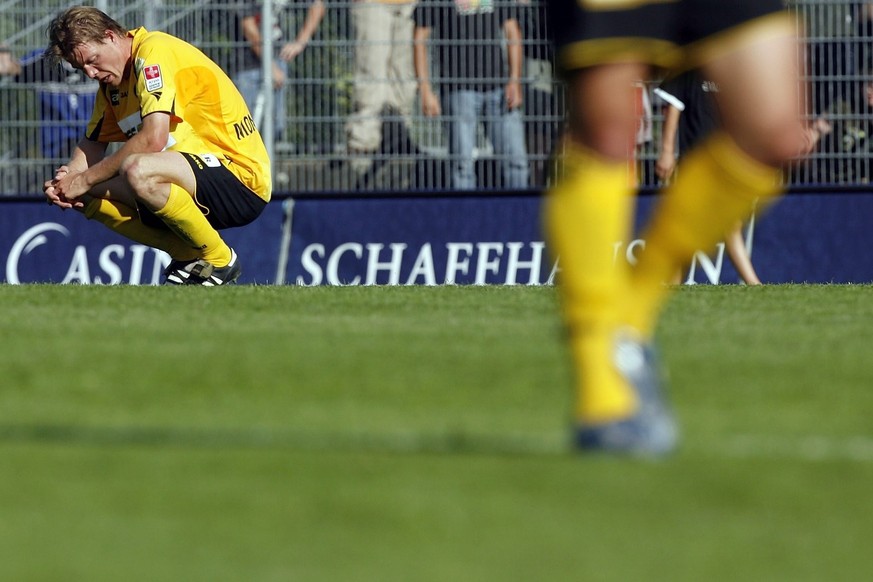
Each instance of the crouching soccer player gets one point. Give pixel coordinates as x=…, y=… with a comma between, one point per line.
x=191, y=162
x=749, y=48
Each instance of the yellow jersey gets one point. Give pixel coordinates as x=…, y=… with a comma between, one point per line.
x=207, y=113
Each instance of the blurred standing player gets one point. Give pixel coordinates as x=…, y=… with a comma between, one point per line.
x=192, y=161
x=750, y=49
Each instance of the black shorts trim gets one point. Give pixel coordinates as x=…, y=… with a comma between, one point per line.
x=224, y=200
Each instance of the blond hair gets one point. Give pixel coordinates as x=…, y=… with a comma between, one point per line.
x=76, y=26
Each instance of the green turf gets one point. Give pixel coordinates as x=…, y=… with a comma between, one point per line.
x=417, y=434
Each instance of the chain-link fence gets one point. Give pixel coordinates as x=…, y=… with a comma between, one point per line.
x=349, y=109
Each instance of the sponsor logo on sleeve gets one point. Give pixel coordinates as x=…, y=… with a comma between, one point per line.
x=153, y=80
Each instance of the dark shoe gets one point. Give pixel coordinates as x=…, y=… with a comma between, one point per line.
x=200, y=272
x=651, y=430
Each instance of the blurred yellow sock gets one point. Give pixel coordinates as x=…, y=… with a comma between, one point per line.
x=585, y=215
x=125, y=221
x=185, y=219
x=716, y=185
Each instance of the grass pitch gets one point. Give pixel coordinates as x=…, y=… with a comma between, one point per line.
x=379, y=433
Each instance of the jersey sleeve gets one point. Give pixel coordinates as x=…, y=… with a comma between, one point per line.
x=156, y=69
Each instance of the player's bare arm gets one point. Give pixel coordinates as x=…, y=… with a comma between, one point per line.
x=86, y=153
x=512, y=91
x=152, y=138
x=430, y=103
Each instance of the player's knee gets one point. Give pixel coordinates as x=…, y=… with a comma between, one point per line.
x=611, y=141
x=136, y=173
x=132, y=169
x=615, y=145
x=780, y=143
x=602, y=109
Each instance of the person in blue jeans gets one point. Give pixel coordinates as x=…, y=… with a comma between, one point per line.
x=248, y=76
x=479, y=80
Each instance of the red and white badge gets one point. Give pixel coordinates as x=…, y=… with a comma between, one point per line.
x=153, y=78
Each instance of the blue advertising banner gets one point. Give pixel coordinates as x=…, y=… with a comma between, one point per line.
x=411, y=241
x=42, y=244
x=816, y=238
x=428, y=241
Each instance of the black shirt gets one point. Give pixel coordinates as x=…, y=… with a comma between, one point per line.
x=700, y=116
x=467, y=40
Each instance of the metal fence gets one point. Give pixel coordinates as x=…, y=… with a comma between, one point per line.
x=333, y=95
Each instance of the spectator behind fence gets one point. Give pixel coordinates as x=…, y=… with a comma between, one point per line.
x=384, y=81
x=65, y=97
x=542, y=107
x=477, y=82
x=249, y=76
x=691, y=114
x=860, y=145
x=9, y=65
x=184, y=129
x=749, y=47
x=9, y=68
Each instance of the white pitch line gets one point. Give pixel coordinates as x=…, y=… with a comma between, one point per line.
x=805, y=448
